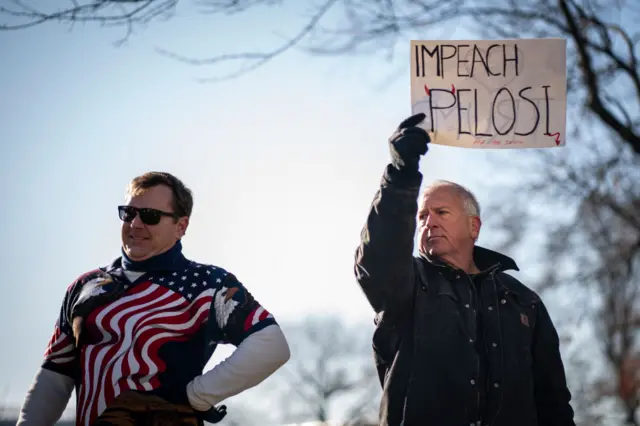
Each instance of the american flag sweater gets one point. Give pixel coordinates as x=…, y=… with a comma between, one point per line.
x=154, y=332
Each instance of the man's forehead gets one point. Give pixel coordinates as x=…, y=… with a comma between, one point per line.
x=440, y=196
x=159, y=197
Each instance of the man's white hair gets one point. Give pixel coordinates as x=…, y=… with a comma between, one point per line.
x=469, y=201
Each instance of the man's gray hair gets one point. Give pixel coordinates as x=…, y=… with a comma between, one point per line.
x=469, y=201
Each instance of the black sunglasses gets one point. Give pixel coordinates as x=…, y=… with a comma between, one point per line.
x=147, y=216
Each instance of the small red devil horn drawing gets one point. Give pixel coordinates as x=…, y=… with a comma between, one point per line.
x=426, y=90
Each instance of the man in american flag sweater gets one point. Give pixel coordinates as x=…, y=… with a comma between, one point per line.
x=133, y=337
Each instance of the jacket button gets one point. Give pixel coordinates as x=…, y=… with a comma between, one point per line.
x=473, y=382
x=494, y=344
x=491, y=308
x=496, y=385
x=466, y=306
x=503, y=301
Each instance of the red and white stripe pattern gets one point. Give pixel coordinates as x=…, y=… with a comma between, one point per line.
x=133, y=328
x=60, y=349
x=257, y=315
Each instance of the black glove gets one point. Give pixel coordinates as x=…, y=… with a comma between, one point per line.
x=408, y=143
x=213, y=415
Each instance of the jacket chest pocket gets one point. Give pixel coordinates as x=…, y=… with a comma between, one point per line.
x=519, y=314
x=439, y=324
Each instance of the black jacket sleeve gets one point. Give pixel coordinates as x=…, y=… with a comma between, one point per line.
x=550, y=385
x=384, y=258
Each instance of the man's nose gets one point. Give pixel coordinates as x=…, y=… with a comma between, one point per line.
x=430, y=221
x=137, y=222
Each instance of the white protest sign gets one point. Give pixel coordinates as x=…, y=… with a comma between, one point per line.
x=491, y=93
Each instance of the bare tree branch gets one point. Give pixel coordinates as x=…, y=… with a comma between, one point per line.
x=601, y=53
x=330, y=362
x=591, y=78
x=254, y=60
x=113, y=12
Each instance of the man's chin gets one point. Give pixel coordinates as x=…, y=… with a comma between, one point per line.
x=136, y=253
x=435, y=251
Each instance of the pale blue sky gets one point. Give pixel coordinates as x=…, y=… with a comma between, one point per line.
x=283, y=163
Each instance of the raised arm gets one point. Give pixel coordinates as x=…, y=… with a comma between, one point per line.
x=384, y=258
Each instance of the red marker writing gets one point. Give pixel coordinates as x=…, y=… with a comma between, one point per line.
x=428, y=92
x=557, y=136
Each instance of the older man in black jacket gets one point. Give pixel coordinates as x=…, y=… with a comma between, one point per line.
x=458, y=341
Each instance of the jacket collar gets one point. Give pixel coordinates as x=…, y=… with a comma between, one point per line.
x=484, y=259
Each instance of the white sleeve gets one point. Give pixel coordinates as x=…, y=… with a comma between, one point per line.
x=255, y=359
x=46, y=399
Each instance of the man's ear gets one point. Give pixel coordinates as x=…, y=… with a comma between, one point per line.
x=183, y=224
x=476, y=224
